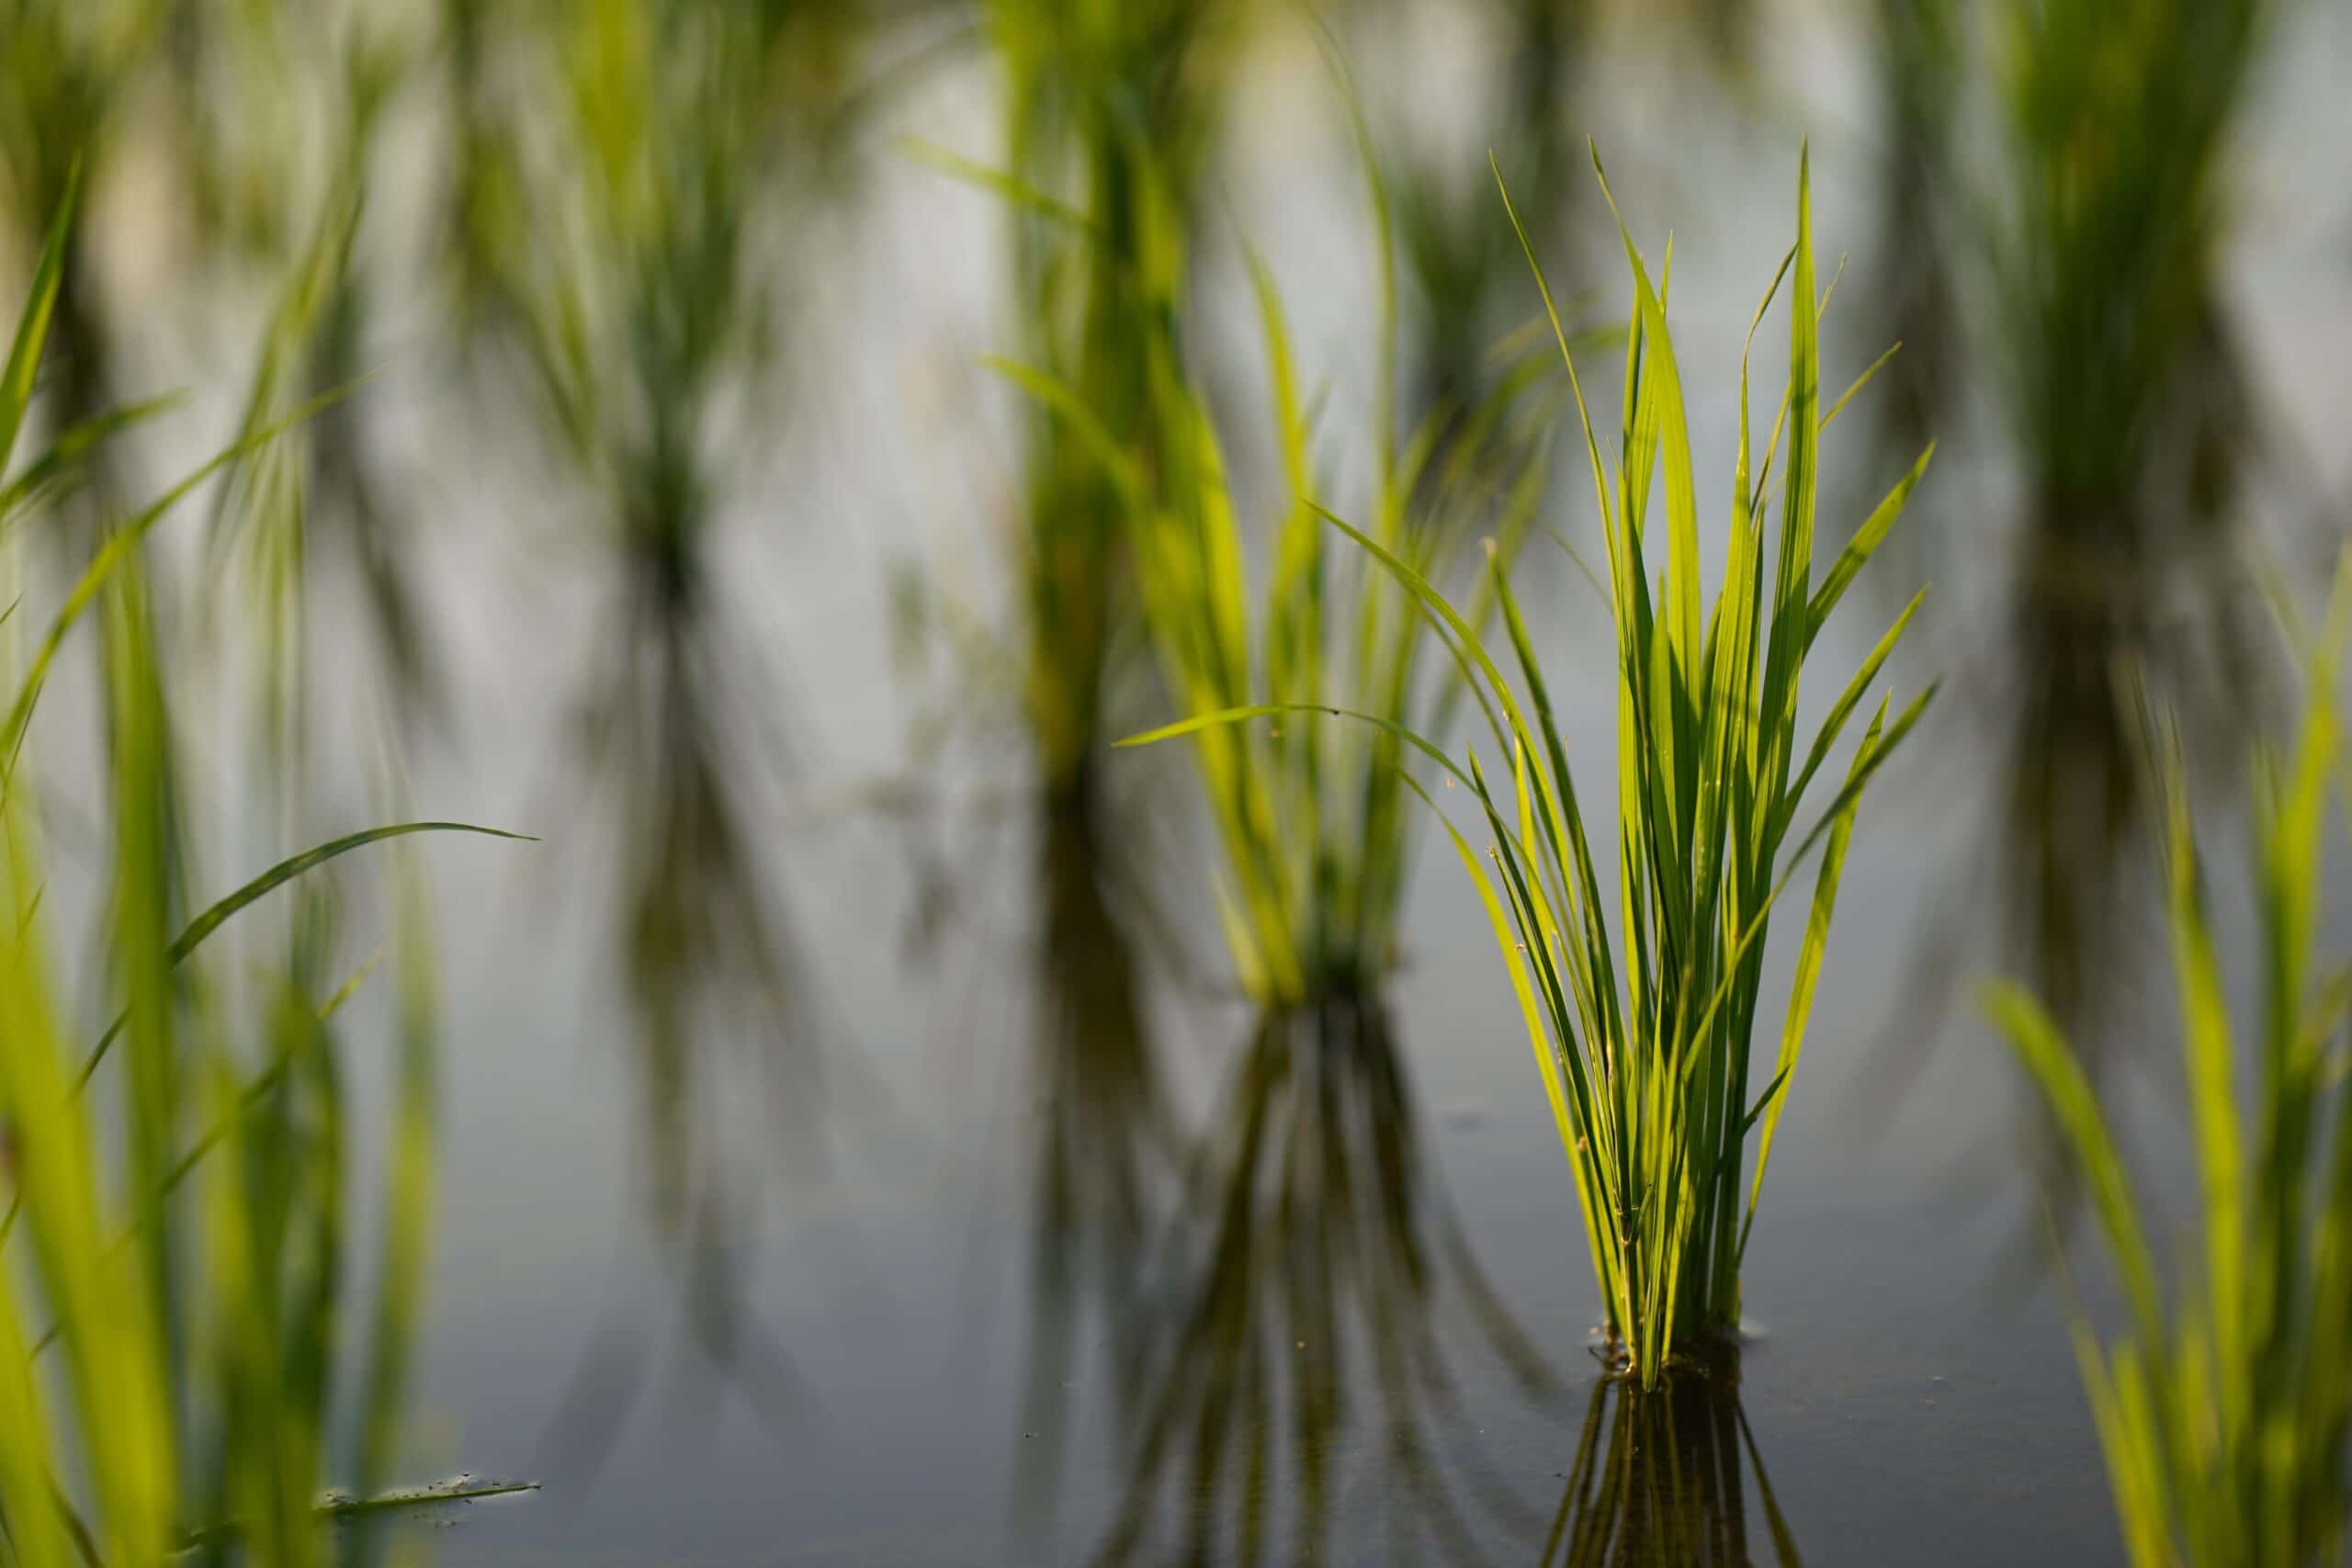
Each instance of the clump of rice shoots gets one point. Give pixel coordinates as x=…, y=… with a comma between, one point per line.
x=1643, y=1038
x=2224, y=1403
x=176, y=1368
x=1110, y=117
x=2137, y=426
x=1311, y=816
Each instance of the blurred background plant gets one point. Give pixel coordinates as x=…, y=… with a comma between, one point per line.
x=67, y=92
x=637, y=174
x=1111, y=116
x=616, y=219
x=1469, y=315
x=2224, y=1402
x=286, y=109
x=1921, y=58
x=2133, y=415
x=178, y=1372
x=1311, y=813
x=2061, y=189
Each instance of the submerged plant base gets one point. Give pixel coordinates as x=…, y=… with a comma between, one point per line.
x=1711, y=1350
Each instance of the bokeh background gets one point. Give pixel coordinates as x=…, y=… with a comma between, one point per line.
x=856, y=1144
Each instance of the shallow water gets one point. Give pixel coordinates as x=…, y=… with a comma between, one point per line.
x=931, y=1383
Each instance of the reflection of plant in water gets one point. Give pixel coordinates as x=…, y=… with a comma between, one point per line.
x=1312, y=1231
x=646, y=159
x=1105, y=1137
x=1666, y=1488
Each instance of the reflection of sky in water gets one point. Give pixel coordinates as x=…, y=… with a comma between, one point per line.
x=1901, y=1410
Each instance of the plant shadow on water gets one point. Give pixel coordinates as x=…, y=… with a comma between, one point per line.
x=1312, y=1241
x=1658, y=1479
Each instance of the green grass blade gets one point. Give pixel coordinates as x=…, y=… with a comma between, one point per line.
x=110, y=556
x=1864, y=544
x=2051, y=1060
x=32, y=326
x=193, y=934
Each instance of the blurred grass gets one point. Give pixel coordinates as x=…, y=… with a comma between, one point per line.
x=2134, y=416
x=187, y=1234
x=2224, y=1403
x=1310, y=815
x=1111, y=111
x=1466, y=295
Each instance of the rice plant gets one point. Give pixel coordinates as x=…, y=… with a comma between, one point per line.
x=1649, y=1078
x=1310, y=816
x=2133, y=416
x=178, y=1367
x=2224, y=1402
x=288, y=185
x=1111, y=115
x=1462, y=266
x=1919, y=48
x=66, y=82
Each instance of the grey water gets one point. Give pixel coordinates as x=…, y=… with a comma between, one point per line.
x=1026, y=1288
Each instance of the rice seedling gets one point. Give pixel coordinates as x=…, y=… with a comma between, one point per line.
x=2132, y=416
x=2224, y=1403
x=178, y=1368
x=1664, y=1480
x=1310, y=817
x=1111, y=114
x=1462, y=266
x=65, y=96
x=1650, y=1083
x=1921, y=54
x=288, y=185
